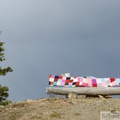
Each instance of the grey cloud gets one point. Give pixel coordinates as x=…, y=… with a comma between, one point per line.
x=53, y=37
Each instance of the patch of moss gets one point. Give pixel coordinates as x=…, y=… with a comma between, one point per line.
x=55, y=115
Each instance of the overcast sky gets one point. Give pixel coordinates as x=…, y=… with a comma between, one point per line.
x=45, y=37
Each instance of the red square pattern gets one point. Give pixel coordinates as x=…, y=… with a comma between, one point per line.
x=112, y=79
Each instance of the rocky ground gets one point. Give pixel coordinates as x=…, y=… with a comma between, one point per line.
x=59, y=109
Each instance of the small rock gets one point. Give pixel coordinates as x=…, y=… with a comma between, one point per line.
x=72, y=95
x=1, y=106
x=102, y=97
x=28, y=100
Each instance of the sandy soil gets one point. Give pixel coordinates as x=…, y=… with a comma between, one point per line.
x=59, y=109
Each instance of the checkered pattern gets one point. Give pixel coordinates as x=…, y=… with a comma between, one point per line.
x=55, y=80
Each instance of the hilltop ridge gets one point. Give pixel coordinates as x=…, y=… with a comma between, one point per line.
x=58, y=109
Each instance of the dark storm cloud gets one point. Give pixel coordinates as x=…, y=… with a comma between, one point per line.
x=52, y=37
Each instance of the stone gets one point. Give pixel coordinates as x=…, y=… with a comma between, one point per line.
x=28, y=100
x=1, y=106
x=72, y=95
